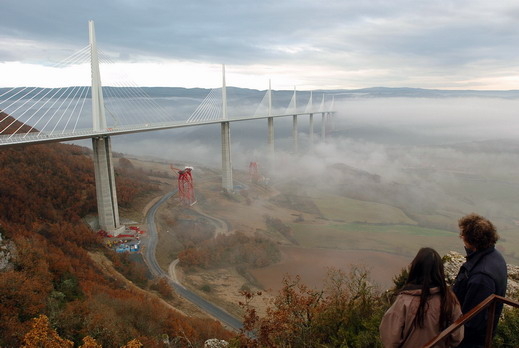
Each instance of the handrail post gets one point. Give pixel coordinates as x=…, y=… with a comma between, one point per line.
x=490, y=302
x=490, y=323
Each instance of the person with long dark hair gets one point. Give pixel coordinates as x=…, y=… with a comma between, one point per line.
x=424, y=307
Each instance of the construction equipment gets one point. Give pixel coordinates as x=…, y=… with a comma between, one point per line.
x=254, y=172
x=186, y=192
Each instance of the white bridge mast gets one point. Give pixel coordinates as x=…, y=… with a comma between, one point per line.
x=107, y=209
x=227, y=181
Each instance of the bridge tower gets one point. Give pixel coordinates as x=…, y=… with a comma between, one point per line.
x=311, y=131
x=323, y=122
x=295, y=144
x=270, y=125
x=107, y=208
x=309, y=108
x=326, y=116
x=323, y=127
x=227, y=182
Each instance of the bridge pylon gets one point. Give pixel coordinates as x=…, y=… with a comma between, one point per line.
x=227, y=181
x=270, y=130
x=98, y=105
x=311, y=131
x=323, y=126
x=107, y=209
x=295, y=142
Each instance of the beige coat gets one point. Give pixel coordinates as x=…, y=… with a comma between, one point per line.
x=397, y=323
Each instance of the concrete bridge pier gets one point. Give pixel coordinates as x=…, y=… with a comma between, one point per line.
x=227, y=182
x=107, y=208
x=106, y=193
x=270, y=142
x=323, y=127
x=295, y=143
x=311, y=131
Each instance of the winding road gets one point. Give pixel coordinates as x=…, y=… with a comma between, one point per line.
x=156, y=270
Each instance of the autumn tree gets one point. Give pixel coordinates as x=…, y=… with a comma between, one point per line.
x=42, y=335
x=89, y=342
x=46, y=192
x=133, y=344
x=345, y=313
x=162, y=286
x=235, y=249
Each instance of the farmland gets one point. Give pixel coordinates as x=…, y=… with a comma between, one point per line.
x=355, y=218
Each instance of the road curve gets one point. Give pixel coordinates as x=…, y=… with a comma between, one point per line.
x=156, y=270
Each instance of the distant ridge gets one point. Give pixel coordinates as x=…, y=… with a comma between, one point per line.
x=372, y=92
x=389, y=92
x=8, y=125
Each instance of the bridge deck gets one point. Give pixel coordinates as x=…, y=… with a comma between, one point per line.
x=43, y=137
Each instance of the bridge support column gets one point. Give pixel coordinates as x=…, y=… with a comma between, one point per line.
x=323, y=127
x=295, y=144
x=227, y=182
x=311, y=131
x=107, y=208
x=270, y=142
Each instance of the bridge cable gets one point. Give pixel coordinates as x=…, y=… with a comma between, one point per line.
x=137, y=96
x=45, y=113
x=70, y=99
x=262, y=105
x=83, y=92
x=209, y=109
x=75, y=58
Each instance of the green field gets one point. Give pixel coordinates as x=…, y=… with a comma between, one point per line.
x=345, y=209
x=509, y=245
x=360, y=225
x=399, y=239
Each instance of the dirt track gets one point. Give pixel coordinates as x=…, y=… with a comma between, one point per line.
x=245, y=212
x=313, y=264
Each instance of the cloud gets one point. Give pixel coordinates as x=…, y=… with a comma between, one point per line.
x=346, y=44
x=436, y=120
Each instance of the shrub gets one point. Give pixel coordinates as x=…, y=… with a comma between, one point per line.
x=346, y=313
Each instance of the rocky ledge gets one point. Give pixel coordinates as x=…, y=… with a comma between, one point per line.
x=453, y=261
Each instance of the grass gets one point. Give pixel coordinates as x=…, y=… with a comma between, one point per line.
x=509, y=245
x=365, y=225
x=442, y=220
x=501, y=193
x=352, y=210
x=398, y=239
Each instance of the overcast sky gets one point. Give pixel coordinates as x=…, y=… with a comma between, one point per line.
x=447, y=44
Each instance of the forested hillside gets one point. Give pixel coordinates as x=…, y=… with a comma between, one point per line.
x=45, y=192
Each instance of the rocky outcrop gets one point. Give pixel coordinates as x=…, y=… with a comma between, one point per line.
x=453, y=261
x=7, y=252
x=215, y=343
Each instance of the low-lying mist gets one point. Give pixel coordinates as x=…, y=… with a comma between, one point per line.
x=436, y=159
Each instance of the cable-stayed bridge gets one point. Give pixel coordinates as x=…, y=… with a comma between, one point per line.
x=38, y=115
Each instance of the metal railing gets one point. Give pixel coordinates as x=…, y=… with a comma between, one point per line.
x=76, y=134
x=490, y=302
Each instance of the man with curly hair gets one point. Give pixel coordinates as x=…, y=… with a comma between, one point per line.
x=483, y=274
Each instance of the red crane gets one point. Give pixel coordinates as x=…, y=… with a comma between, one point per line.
x=186, y=191
x=254, y=172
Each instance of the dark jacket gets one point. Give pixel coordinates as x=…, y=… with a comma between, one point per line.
x=482, y=275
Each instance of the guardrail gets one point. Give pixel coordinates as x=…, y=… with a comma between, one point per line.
x=490, y=302
x=43, y=137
